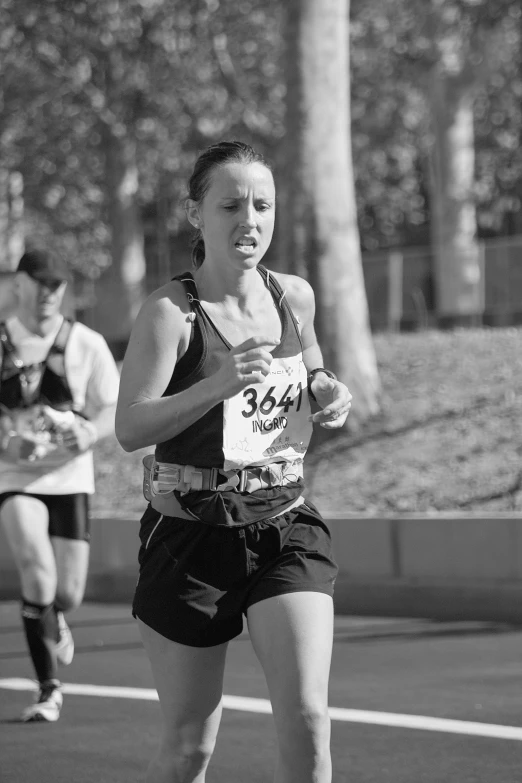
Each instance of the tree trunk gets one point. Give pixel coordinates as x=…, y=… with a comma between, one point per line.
x=120, y=291
x=319, y=220
x=5, y=261
x=458, y=269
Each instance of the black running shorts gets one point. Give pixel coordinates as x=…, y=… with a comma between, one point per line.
x=196, y=581
x=68, y=514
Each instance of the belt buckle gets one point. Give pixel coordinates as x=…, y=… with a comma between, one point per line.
x=214, y=472
x=232, y=482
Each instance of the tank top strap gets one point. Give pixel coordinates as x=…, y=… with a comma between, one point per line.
x=189, y=284
x=280, y=296
x=206, y=322
x=206, y=325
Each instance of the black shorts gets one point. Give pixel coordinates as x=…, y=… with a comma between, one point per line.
x=196, y=581
x=68, y=514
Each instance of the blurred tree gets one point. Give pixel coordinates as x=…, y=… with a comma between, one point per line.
x=427, y=63
x=234, y=88
x=91, y=52
x=452, y=79
x=389, y=119
x=462, y=41
x=105, y=106
x=498, y=132
x=319, y=211
x=132, y=90
x=11, y=181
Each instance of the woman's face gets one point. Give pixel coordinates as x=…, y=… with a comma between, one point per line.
x=236, y=215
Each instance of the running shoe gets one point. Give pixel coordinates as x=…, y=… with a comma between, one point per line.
x=65, y=643
x=48, y=704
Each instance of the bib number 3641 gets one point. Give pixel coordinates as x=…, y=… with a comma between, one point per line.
x=290, y=397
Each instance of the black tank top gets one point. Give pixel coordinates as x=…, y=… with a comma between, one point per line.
x=271, y=418
x=267, y=422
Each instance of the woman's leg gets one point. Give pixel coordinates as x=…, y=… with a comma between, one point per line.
x=189, y=681
x=292, y=636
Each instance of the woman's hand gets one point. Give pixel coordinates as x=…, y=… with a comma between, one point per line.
x=246, y=364
x=334, y=399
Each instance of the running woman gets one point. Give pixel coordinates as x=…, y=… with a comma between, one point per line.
x=58, y=392
x=218, y=374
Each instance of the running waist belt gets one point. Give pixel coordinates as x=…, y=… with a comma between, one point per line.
x=162, y=478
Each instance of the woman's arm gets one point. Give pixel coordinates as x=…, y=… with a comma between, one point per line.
x=331, y=395
x=158, y=339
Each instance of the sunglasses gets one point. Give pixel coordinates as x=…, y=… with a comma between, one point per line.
x=51, y=285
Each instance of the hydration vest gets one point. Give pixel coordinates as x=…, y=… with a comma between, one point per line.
x=52, y=388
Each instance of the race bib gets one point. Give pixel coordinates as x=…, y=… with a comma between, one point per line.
x=268, y=422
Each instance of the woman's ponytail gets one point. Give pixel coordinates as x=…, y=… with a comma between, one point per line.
x=198, y=250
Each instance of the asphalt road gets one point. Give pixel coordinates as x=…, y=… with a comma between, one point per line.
x=412, y=701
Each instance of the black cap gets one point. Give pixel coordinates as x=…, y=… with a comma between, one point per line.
x=43, y=267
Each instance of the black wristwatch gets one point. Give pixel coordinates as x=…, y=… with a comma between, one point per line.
x=311, y=375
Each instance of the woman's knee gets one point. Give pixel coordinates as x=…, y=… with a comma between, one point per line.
x=183, y=758
x=306, y=729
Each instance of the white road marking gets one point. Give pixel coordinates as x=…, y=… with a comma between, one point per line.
x=263, y=706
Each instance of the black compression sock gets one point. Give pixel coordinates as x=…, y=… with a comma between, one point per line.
x=41, y=631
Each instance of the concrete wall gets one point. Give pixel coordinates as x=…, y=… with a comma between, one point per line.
x=444, y=567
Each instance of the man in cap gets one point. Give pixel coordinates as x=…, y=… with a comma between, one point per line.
x=58, y=391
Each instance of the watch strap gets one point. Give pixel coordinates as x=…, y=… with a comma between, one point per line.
x=311, y=376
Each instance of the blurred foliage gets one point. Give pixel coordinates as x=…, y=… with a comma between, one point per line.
x=395, y=46
x=178, y=76
x=498, y=129
x=172, y=76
